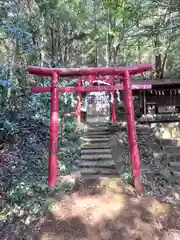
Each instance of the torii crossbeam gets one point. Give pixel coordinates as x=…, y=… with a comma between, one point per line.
x=127, y=86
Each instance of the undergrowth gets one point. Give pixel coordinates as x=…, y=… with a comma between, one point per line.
x=25, y=195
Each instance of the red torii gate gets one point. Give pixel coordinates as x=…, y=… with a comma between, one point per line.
x=126, y=85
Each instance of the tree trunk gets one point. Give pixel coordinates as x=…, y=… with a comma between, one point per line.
x=108, y=47
x=158, y=61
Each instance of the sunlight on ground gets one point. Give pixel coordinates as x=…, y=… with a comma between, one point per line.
x=77, y=205
x=168, y=131
x=109, y=210
x=156, y=208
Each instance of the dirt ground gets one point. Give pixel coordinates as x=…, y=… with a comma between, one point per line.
x=105, y=210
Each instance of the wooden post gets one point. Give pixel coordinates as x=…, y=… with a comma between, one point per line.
x=53, y=130
x=62, y=129
x=133, y=145
x=113, y=110
x=78, y=107
x=113, y=104
x=144, y=102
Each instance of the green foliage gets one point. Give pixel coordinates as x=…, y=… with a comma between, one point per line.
x=8, y=130
x=67, y=158
x=7, y=126
x=30, y=201
x=127, y=177
x=69, y=125
x=39, y=106
x=28, y=193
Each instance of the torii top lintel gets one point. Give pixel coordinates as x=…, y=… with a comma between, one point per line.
x=67, y=72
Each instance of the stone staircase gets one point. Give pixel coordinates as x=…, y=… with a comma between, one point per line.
x=96, y=154
x=100, y=154
x=171, y=149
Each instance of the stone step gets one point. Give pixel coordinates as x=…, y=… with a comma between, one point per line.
x=171, y=150
x=98, y=124
x=88, y=139
x=98, y=119
x=175, y=176
x=105, y=164
x=93, y=151
x=170, y=142
x=140, y=129
x=102, y=129
x=98, y=133
x=175, y=165
x=95, y=146
x=143, y=130
x=161, y=117
x=98, y=171
x=173, y=158
x=95, y=116
x=94, y=136
x=153, y=146
x=98, y=176
x=138, y=126
x=96, y=156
